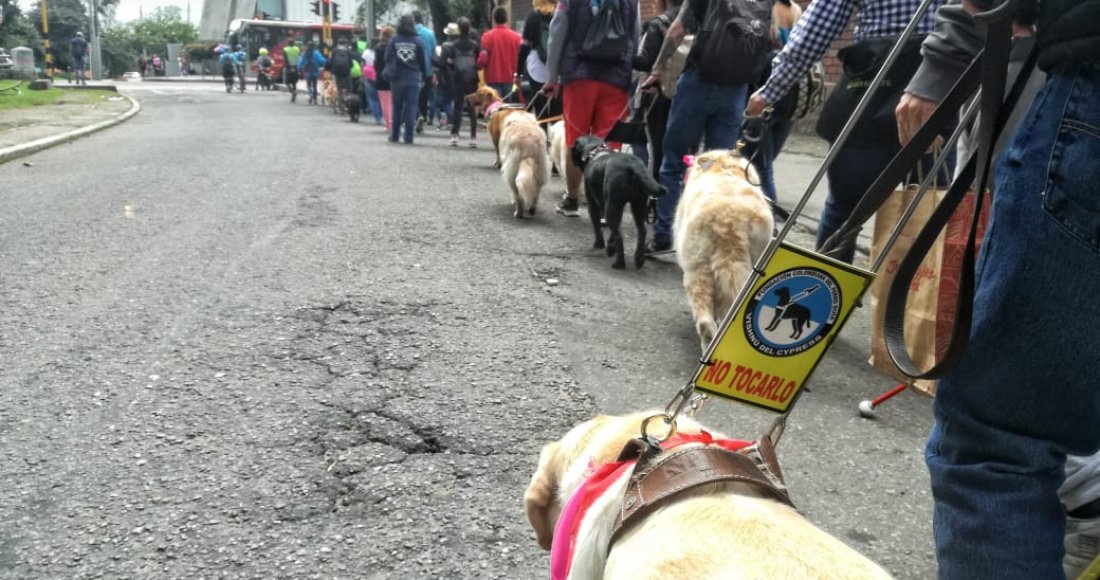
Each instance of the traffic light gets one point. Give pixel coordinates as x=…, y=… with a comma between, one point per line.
x=335, y=11
x=316, y=7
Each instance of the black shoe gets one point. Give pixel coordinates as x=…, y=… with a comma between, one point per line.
x=658, y=246
x=568, y=207
x=420, y=125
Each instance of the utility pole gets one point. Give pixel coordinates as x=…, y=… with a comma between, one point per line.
x=97, y=56
x=326, y=25
x=46, y=42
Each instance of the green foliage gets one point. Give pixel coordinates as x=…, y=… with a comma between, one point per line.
x=123, y=45
x=200, y=51
x=66, y=18
x=17, y=29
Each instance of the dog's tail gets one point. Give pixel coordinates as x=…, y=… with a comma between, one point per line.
x=529, y=181
x=648, y=184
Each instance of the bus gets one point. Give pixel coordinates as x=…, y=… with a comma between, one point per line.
x=275, y=34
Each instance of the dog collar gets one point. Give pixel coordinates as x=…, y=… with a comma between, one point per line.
x=596, y=485
x=493, y=108
x=602, y=149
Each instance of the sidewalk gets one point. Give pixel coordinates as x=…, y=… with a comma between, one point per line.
x=27, y=130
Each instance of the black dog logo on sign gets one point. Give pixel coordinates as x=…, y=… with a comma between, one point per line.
x=788, y=309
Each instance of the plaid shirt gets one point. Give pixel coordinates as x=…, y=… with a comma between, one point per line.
x=824, y=22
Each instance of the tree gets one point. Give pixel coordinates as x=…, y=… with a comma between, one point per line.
x=122, y=45
x=17, y=29
x=66, y=18
x=441, y=12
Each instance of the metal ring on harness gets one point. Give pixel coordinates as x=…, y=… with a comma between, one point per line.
x=667, y=420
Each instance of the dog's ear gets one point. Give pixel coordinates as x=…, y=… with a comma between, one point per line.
x=541, y=498
x=705, y=162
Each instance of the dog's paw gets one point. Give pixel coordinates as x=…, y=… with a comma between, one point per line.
x=618, y=264
x=531, y=210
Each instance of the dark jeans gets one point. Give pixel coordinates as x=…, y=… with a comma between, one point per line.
x=311, y=88
x=701, y=111
x=656, y=120
x=80, y=66
x=504, y=89
x=459, y=105
x=372, y=97
x=425, y=96
x=404, y=108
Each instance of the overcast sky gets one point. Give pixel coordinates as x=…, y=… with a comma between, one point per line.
x=130, y=9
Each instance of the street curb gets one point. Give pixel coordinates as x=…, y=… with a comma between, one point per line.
x=17, y=151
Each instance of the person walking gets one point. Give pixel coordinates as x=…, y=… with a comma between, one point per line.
x=407, y=71
x=240, y=63
x=229, y=70
x=340, y=63
x=79, y=48
x=1022, y=397
x=873, y=142
x=593, y=84
x=711, y=91
x=459, y=60
x=427, y=38
x=653, y=102
x=370, y=83
x=310, y=65
x=264, y=71
x=499, y=53
x=291, y=54
x=777, y=127
x=531, y=58
x=385, y=95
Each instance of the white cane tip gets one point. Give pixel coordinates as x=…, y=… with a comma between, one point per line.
x=866, y=409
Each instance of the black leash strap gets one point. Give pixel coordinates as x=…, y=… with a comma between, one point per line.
x=995, y=112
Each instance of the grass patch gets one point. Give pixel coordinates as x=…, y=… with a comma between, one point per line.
x=28, y=98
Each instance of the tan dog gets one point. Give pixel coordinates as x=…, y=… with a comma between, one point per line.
x=717, y=531
x=559, y=153
x=328, y=94
x=487, y=100
x=526, y=166
x=723, y=223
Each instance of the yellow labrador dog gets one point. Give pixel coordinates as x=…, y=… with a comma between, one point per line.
x=718, y=531
x=525, y=163
x=723, y=223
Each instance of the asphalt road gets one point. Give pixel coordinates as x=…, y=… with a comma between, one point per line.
x=245, y=339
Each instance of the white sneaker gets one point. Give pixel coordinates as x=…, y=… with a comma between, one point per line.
x=1082, y=547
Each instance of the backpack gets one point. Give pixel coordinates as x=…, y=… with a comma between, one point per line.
x=341, y=62
x=465, y=66
x=733, y=42
x=544, y=38
x=606, y=41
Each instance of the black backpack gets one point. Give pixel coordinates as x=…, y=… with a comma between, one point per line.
x=466, y=65
x=606, y=41
x=733, y=41
x=341, y=62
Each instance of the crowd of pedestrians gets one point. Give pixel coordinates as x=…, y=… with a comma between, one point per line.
x=997, y=463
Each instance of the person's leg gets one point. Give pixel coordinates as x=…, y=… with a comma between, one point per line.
x=457, y=98
x=682, y=134
x=1025, y=394
x=655, y=121
x=399, y=91
x=723, y=124
x=611, y=107
x=853, y=170
x=580, y=105
x=385, y=100
x=375, y=102
x=411, y=112
x=1080, y=494
x=422, y=105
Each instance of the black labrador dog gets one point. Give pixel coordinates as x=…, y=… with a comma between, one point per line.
x=612, y=180
x=353, y=105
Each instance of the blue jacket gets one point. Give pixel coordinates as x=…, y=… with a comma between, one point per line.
x=311, y=63
x=428, y=38
x=405, y=59
x=239, y=57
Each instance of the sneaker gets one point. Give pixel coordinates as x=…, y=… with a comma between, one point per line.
x=656, y=246
x=420, y=125
x=454, y=140
x=472, y=144
x=568, y=207
x=1082, y=545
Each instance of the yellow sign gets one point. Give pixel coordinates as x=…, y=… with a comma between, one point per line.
x=782, y=329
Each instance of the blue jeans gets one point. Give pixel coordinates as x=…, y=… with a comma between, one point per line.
x=371, y=91
x=763, y=156
x=854, y=169
x=81, y=67
x=406, y=94
x=1026, y=393
x=701, y=111
x=504, y=89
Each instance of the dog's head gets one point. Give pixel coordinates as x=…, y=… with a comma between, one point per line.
x=483, y=97
x=724, y=161
x=583, y=149
x=564, y=464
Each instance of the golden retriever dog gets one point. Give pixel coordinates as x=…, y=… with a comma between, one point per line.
x=487, y=100
x=723, y=223
x=717, y=531
x=526, y=165
x=328, y=94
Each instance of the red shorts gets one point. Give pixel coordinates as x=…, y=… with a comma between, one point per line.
x=591, y=108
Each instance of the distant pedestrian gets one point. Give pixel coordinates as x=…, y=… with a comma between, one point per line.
x=406, y=70
x=291, y=54
x=531, y=62
x=80, y=54
x=427, y=37
x=385, y=97
x=459, y=63
x=240, y=62
x=370, y=83
x=310, y=65
x=143, y=64
x=229, y=70
x=340, y=64
x=499, y=53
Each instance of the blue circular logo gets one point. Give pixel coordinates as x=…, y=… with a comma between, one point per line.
x=792, y=312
